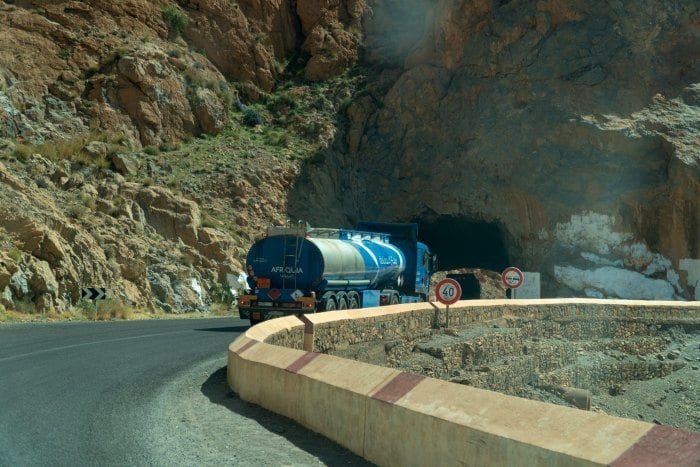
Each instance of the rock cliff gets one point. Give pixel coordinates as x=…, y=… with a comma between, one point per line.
x=559, y=136
x=525, y=120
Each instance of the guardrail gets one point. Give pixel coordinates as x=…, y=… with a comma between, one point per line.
x=396, y=418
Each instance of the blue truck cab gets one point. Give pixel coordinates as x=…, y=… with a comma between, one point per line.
x=298, y=269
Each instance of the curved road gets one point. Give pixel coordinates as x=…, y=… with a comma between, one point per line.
x=136, y=393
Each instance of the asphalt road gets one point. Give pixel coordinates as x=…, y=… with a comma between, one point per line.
x=91, y=393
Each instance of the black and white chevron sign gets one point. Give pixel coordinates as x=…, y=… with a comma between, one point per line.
x=94, y=293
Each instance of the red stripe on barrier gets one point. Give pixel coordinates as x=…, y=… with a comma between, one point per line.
x=302, y=361
x=398, y=387
x=663, y=445
x=245, y=347
x=308, y=325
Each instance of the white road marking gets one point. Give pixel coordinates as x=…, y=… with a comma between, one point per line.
x=72, y=346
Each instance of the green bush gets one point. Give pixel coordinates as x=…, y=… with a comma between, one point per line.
x=175, y=19
x=23, y=152
x=151, y=150
x=77, y=211
x=209, y=221
x=42, y=182
x=15, y=255
x=168, y=147
x=251, y=117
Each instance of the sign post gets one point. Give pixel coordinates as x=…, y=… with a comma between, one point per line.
x=512, y=278
x=448, y=291
x=94, y=294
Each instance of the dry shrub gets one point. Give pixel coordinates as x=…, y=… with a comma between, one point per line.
x=15, y=255
x=24, y=307
x=73, y=149
x=222, y=309
x=109, y=309
x=23, y=152
x=52, y=314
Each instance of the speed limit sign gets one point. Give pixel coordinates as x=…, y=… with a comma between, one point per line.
x=448, y=291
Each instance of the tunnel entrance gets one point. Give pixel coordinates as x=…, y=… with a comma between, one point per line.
x=464, y=243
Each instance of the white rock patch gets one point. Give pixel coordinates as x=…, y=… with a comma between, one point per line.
x=620, y=266
x=614, y=282
x=591, y=232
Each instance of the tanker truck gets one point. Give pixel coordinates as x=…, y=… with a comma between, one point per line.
x=299, y=269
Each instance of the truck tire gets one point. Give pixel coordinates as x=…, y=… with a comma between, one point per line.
x=342, y=303
x=394, y=300
x=329, y=304
x=353, y=301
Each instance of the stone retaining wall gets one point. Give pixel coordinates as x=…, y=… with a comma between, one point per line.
x=365, y=407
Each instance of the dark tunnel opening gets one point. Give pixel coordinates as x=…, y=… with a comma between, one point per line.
x=464, y=243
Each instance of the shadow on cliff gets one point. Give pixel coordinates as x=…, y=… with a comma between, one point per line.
x=217, y=391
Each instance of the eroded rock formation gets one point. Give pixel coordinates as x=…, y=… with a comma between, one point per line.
x=119, y=67
x=527, y=116
x=124, y=236
x=562, y=137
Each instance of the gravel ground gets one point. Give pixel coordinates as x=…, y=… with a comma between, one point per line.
x=198, y=420
x=671, y=400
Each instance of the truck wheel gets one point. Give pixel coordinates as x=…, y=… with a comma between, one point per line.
x=342, y=303
x=329, y=304
x=353, y=302
x=394, y=300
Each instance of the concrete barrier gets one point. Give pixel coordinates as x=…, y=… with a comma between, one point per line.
x=395, y=418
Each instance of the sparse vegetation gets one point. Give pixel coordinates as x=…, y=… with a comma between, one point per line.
x=113, y=309
x=22, y=152
x=24, y=307
x=209, y=221
x=110, y=251
x=88, y=201
x=74, y=149
x=77, y=211
x=175, y=19
x=222, y=309
x=151, y=150
x=42, y=182
x=295, y=122
x=15, y=255
x=221, y=295
x=115, y=55
x=91, y=70
x=167, y=147
x=251, y=117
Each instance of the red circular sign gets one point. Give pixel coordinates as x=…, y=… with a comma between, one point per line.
x=512, y=278
x=448, y=291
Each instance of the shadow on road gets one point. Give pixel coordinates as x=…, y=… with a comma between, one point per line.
x=327, y=451
x=226, y=329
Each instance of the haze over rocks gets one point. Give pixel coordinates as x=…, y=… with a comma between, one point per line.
x=571, y=128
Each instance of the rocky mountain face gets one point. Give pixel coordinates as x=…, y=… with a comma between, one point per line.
x=570, y=129
x=146, y=243
x=106, y=79
x=559, y=136
x=156, y=71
